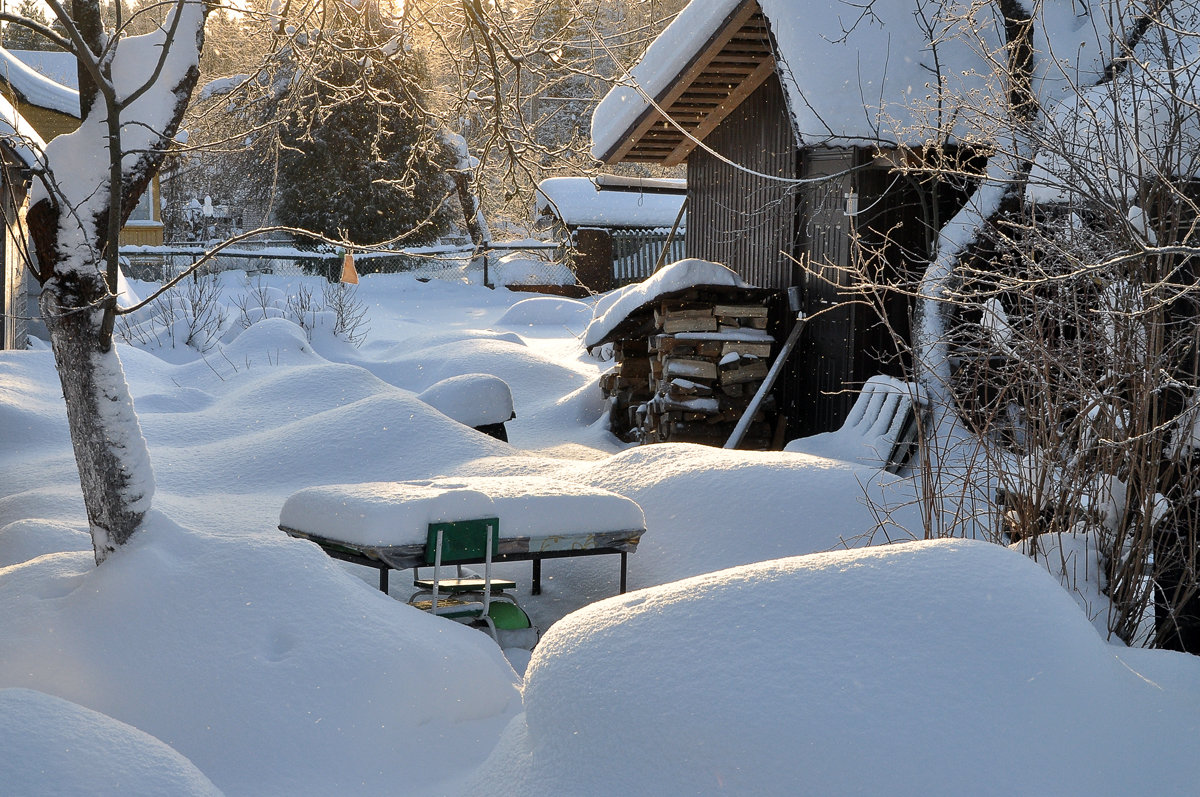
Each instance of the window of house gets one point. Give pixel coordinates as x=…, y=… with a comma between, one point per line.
x=143, y=210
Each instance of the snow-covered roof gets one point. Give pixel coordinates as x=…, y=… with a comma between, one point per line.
x=1143, y=122
x=19, y=136
x=59, y=66
x=580, y=202
x=38, y=79
x=616, y=307
x=859, y=73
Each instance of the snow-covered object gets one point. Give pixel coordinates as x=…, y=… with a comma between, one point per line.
x=53, y=746
x=579, y=202
x=855, y=73
x=399, y=513
x=926, y=653
x=678, y=276
x=870, y=432
x=34, y=87
x=472, y=399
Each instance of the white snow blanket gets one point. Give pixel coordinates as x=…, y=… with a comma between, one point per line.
x=399, y=513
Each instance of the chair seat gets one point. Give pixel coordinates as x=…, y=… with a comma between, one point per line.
x=453, y=609
x=454, y=585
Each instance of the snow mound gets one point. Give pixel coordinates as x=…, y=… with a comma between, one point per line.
x=517, y=364
x=53, y=746
x=30, y=538
x=254, y=686
x=906, y=669
x=547, y=311
x=708, y=508
x=680, y=275
x=471, y=399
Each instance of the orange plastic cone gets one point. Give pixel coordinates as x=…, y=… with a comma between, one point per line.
x=348, y=273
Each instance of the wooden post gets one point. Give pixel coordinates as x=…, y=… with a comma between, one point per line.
x=594, y=262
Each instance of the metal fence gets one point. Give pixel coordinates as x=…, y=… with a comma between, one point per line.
x=636, y=252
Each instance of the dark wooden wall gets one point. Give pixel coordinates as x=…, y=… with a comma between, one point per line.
x=777, y=235
x=739, y=219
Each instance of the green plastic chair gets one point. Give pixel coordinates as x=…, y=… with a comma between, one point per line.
x=465, y=599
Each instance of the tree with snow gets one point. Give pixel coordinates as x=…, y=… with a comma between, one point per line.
x=133, y=92
x=1058, y=315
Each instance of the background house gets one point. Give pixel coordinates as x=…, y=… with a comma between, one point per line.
x=39, y=100
x=18, y=144
x=616, y=225
x=44, y=88
x=804, y=131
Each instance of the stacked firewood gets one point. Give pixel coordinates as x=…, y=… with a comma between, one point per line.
x=694, y=376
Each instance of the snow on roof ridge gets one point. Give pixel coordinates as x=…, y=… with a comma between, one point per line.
x=578, y=201
x=35, y=88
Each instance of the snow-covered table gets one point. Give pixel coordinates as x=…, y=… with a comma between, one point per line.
x=385, y=524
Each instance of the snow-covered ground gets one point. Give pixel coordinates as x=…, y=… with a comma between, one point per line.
x=763, y=649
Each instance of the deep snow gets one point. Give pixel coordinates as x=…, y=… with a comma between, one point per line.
x=215, y=650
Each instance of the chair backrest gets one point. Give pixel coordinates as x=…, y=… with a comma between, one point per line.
x=462, y=540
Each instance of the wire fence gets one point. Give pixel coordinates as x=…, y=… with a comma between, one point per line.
x=518, y=263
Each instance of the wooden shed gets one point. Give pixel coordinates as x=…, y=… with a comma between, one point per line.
x=795, y=180
x=617, y=226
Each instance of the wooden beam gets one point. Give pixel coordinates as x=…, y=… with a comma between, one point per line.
x=735, y=22
x=736, y=97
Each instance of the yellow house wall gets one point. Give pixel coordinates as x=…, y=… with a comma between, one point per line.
x=142, y=235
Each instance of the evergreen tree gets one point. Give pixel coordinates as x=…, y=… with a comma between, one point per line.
x=19, y=37
x=359, y=159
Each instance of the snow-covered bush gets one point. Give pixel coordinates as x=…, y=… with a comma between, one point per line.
x=216, y=308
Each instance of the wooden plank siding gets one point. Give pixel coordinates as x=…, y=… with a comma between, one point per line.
x=740, y=219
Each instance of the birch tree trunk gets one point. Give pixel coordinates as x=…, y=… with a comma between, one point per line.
x=77, y=210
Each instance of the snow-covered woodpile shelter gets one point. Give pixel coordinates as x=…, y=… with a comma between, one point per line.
x=617, y=226
x=795, y=121
x=691, y=349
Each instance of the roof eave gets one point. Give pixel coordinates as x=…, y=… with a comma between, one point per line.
x=633, y=134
